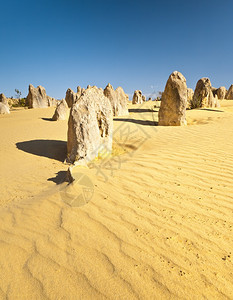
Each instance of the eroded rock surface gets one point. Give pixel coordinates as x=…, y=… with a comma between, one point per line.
x=90, y=126
x=118, y=100
x=36, y=97
x=61, y=111
x=71, y=97
x=229, y=94
x=203, y=95
x=190, y=94
x=52, y=101
x=172, y=111
x=4, y=109
x=137, y=97
x=221, y=92
x=3, y=99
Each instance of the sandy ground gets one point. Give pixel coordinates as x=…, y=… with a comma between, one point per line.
x=158, y=224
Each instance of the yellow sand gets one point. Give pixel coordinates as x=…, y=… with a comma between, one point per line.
x=159, y=224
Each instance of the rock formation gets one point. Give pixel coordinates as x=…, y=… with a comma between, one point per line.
x=137, y=97
x=61, y=111
x=221, y=92
x=90, y=127
x=214, y=91
x=118, y=100
x=216, y=102
x=203, y=95
x=190, y=94
x=36, y=97
x=79, y=91
x=4, y=109
x=143, y=98
x=172, y=111
x=229, y=94
x=71, y=97
x=51, y=101
x=3, y=99
x=9, y=102
x=122, y=100
x=109, y=92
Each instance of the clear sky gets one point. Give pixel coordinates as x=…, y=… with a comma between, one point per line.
x=134, y=44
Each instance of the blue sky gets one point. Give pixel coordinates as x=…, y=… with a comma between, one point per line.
x=133, y=44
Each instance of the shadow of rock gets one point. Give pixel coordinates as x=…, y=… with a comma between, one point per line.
x=209, y=109
x=60, y=178
x=48, y=148
x=140, y=122
x=139, y=110
x=47, y=119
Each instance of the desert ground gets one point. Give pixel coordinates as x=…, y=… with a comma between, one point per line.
x=159, y=219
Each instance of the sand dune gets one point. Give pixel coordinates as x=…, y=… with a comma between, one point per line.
x=159, y=223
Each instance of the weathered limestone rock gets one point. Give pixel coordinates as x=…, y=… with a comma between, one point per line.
x=3, y=99
x=214, y=91
x=4, y=109
x=137, y=97
x=190, y=94
x=79, y=91
x=143, y=98
x=36, y=97
x=51, y=101
x=118, y=100
x=229, y=94
x=122, y=102
x=150, y=99
x=71, y=97
x=90, y=127
x=61, y=111
x=216, y=102
x=203, y=95
x=172, y=111
x=109, y=92
x=221, y=92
